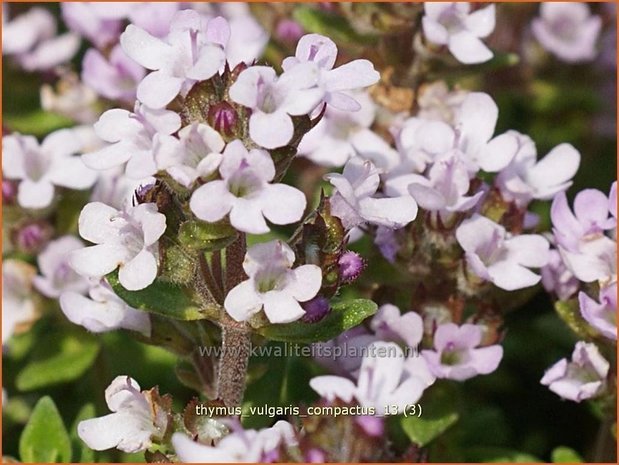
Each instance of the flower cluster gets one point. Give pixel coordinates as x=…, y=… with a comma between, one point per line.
x=197, y=184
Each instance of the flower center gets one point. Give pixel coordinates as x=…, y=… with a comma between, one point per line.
x=244, y=183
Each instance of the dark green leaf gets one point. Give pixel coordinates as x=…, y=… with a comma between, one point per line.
x=45, y=437
x=163, y=298
x=58, y=357
x=343, y=316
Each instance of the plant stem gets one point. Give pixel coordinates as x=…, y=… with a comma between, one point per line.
x=233, y=362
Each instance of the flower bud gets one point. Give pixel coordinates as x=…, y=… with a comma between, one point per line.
x=372, y=426
x=315, y=309
x=9, y=192
x=31, y=236
x=288, y=30
x=315, y=455
x=223, y=118
x=351, y=265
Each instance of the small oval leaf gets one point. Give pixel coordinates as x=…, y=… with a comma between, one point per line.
x=343, y=316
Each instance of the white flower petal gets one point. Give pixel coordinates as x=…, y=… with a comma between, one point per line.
x=242, y=301
x=139, y=272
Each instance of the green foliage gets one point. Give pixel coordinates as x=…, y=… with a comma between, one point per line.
x=45, y=438
x=199, y=235
x=564, y=454
x=329, y=24
x=161, y=297
x=438, y=414
x=60, y=355
x=343, y=316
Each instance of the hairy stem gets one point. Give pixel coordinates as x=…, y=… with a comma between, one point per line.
x=235, y=254
x=235, y=350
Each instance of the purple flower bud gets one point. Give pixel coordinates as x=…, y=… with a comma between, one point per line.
x=351, y=265
x=223, y=118
x=141, y=194
x=288, y=30
x=315, y=309
x=315, y=455
x=9, y=192
x=371, y=425
x=32, y=236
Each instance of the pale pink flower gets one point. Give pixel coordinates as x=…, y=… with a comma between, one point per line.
x=273, y=285
x=127, y=240
x=452, y=24
x=246, y=193
x=457, y=354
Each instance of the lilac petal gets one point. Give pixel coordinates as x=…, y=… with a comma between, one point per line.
x=152, y=222
x=497, y=154
x=591, y=207
x=150, y=52
x=97, y=261
x=139, y=272
x=96, y=222
x=342, y=102
x=559, y=166
x=247, y=216
x=305, y=283
x=281, y=307
x=245, y=89
x=271, y=130
x=123, y=430
x=332, y=387
x=211, y=59
x=353, y=75
x=108, y=157
x=477, y=119
x=35, y=194
x=427, y=197
x=468, y=49
x=282, y=204
x=218, y=31
x=486, y=359
x=71, y=172
x=243, y=301
x=212, y=201
x=481, y=22
x=158, y=89
x=393, y=212
x=510, y=276
x=317, y=48
x=434, y=31
x=529, y=250
x=116, y=124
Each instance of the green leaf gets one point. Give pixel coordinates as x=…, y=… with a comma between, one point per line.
x=438, y=414
x=564, y=454
x=38, y=123
x=343, y=316
x=499, y=454
x=199, y=235
x=45, y=437
x=331, y=25
x=59, y=356
x=81, y=452
x=161, y=297
x=569, y=311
